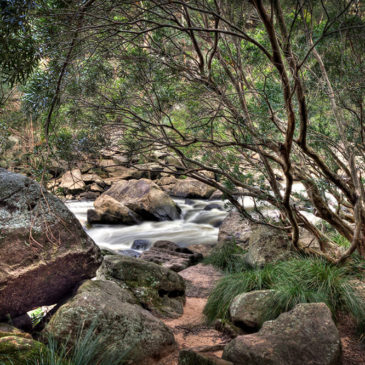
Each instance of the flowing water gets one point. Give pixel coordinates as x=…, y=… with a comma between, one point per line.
x=195, y=226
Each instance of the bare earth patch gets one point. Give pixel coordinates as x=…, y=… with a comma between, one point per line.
x=190, y=330
x=353, y=351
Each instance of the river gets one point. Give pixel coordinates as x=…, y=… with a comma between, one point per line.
x=196, y=226
x=198, y=223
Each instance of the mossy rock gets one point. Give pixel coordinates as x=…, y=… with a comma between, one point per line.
x=124, y=329
x=16, y=350
x=8, y=330
x=158, y=289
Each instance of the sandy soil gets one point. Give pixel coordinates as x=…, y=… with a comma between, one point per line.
x=353, y=351
x=191, y=331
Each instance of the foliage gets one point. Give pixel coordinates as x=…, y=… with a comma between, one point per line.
x=86, y=350
x=227, y=257
x=210, y=93
x=232, y=285
x=298, y=280
x=18, y=52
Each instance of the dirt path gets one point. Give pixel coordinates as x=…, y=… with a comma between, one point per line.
x=190, y=329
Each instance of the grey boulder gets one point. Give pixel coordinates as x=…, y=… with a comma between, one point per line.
x=305, y=335
x=123, y=328
x=157, y=288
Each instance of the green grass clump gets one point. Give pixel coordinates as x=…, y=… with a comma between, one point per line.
x=340, y=240
x=227, y=257
x=88, y=349
x=232, y=285
x=298, y=280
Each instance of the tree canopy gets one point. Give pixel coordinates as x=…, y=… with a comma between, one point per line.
x=260, y=96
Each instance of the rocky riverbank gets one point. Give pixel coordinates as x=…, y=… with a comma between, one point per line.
x=146, y=310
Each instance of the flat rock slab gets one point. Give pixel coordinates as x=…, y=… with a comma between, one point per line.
x=200, y=280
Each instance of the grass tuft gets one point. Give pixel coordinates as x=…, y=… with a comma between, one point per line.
x=298, y=280
x=88, y=349
x=227, y=257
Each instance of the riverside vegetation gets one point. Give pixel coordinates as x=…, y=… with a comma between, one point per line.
x=131, y=104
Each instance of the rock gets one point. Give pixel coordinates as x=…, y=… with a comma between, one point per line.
x=16, y=350
x=106, y=163
x=150, y=171
x=92, y=179
x=189, y=201
x=305, y=335
x=171, y=255
x=307, y=241
x=191, y=357
x=121, y=160
x=72, y=181
x=96, y=188
x=107, y=251
x=124, y=173
x=235, y=228
x=359, y=288
x=129, y=253
x=141, y=245
x=213, y=206
x=203, y=248
x=23, y=322
x=8, y=330
x=53, y=184
x=144, y=198
x=158, y=289
x=217, y=195
x=228, y=329
x=88, y=195
x=43, y=248
x=200, y=280
x=17, y=347
x=167, y=180
x=190, y=188
x=250, y=310
x=121, y=324
x=267, y=245
x=111, y=211
x=171, y=246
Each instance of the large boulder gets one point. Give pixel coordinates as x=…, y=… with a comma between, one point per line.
x=305, y=335
x=267, y=245
x=43, y=248
x=108, y=210
x=144, y=198
x=122, y=326
x=189, y=188
x=171, y=255
x=72, y=181
x=17, y=347
x=157, y=288
x=250, y=310
x=235, y=228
